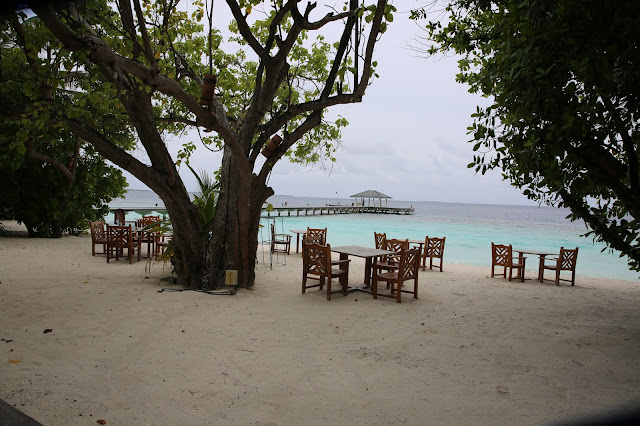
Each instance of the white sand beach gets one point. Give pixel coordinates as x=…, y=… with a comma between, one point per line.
x=471, y=350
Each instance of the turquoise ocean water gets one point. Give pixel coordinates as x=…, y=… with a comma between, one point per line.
x=469, y=229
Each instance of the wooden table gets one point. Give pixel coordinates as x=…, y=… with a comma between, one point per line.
x=298, y=232
x=542, y=255
x=369, y=254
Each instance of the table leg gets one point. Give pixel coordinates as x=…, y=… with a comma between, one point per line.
x=541, y=268
x=367, y=271
x=297, y=241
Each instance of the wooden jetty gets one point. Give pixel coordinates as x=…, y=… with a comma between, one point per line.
x=292, y=211
x=313, y=211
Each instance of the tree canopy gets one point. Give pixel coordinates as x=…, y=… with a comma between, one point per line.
x=563, y=80
x=53, y=182
x=133, y=71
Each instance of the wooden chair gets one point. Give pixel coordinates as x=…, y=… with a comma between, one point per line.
x=433, y=249
x=280, y=243
x=318, y=231
x=121, y=237
x=391, y=261
x=118, y=216
x=310, y=239
x=566, y=261
x=381, y=240
x=502, y=255
x=317, y=263
x=407, y=270
x=146, y=235
x=98, y=236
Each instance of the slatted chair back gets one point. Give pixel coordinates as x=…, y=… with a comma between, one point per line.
x=318, y=259
x=434, y=249
x=502, y=256
x=149, y=220
x=98, y=236
x=318, y=264
x=147, y=236
x=395, y=245
x=407, y=270
x=409, y=263
x=120, y=237
x=381, y=240
x=566, y=261
x=318, y=231
x=118, y=217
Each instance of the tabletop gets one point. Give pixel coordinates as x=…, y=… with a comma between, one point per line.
x=360, y=251
x=534, y=252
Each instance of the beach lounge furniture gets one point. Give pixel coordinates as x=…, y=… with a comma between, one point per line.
x=121, y=237
x=502, y=255
x=433, y=249
x=280, y=243
x=407, y=269
x=566, y=261
x=318, y=231
x=98, y=236
x=317, y=263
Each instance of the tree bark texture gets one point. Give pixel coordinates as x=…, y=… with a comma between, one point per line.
x=234, y=244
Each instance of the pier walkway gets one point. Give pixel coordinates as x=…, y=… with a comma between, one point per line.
x=291, y=211
x=312, y=211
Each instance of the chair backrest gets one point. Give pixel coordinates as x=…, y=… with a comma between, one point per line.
x=318, y=231
x=118, y=217
x=409, y=263
x=119, y=236
x=435, y=247
x=397, y=246
x=568, y=259
x=97, y=230
x=312, y=239
x=381, y=240
x=501, y=254
x=149, y=220
x=318, y=259
x=394, y=244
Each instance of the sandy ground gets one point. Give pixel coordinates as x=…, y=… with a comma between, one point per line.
x=471, y=350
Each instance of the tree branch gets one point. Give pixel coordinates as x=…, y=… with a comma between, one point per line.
x=244, y=28
x=62, y=168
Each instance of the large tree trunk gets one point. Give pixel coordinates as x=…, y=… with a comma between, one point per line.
x=234, y=242
x=188, y=236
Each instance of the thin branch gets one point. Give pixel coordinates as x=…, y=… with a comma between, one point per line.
x=244, y=28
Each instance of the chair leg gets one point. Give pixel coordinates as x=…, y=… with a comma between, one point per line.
x=399, y=292
x=415, y=288
x=304, y=283
x=328, y=289
x=558, y=276
x=374, y=287
x=573, y=277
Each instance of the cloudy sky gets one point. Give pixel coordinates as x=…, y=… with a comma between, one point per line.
x=407, y=139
